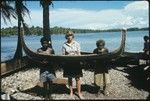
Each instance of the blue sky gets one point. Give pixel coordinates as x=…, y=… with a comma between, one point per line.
x=88, y=5
x=90, y=14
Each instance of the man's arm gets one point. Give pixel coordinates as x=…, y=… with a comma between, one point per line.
x=39, y=51
x=105, y=51
x=94, y=51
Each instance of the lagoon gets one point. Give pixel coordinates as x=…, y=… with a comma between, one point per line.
x=134, y=42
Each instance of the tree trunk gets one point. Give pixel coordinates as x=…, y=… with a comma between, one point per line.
x=46, y=26
x=18, y=54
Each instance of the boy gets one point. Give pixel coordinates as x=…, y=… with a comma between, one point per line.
x=47, y=74
x=101, y=76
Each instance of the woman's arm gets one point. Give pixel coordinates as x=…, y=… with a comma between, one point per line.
x=63, y=51
x=78, y=49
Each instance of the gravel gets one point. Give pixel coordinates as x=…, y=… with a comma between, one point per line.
x=120, y=87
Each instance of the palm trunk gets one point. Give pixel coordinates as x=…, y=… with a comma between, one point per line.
x=18, y=53
x=46, y=26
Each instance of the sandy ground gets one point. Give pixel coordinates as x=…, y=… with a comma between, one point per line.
x=126, y=83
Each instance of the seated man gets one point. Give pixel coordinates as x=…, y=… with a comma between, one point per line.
x=146, y=49
x=47, y=74
x=101, y=76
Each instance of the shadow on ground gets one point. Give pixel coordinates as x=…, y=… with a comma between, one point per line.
x=40, y=91
x=59, y=89
x=139, y=76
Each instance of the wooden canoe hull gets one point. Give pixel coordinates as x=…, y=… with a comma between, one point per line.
x=12, y=65
x=62, y=58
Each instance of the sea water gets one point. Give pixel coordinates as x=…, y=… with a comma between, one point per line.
x=134, y=42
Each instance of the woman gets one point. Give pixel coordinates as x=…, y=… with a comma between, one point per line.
x=72, y=69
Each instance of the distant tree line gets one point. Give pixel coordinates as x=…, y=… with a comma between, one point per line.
x=58, y=30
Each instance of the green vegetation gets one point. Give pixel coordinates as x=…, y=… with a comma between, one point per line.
x=58, y=30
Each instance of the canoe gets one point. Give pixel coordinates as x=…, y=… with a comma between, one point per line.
x=62, y=58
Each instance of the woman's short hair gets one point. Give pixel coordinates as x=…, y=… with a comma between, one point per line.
x=69, y=33
x=100, y=41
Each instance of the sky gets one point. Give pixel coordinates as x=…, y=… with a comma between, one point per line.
x=89, y=14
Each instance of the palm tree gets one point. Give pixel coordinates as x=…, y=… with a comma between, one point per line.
x=20, y=10
x=46, y=26
x=7, y=11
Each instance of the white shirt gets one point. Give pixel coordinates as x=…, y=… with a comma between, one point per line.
x=71, y=49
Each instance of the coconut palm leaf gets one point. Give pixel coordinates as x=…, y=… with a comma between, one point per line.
x=7, y=11
x=21, y=9
x=49, y=2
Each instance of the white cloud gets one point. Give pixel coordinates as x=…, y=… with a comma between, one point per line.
x=36, y=18
x=137, y=5
x=134, y=14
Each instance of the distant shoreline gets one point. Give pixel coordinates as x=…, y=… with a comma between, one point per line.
x=59, y=30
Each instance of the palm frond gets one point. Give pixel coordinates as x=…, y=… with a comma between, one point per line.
x=21, y=9
x=49, y=2
x=7, y=11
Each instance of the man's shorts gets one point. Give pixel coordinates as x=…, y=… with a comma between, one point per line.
x=46, y=76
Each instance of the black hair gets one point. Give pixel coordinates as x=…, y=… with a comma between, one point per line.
x=44, y=39
x=100, y=41
x=146, y=37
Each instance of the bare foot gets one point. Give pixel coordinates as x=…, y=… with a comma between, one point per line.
x=106, y=93
x=71, y=96
x=80, y=96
